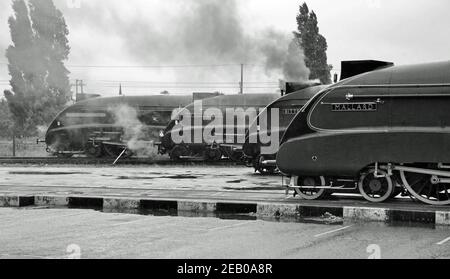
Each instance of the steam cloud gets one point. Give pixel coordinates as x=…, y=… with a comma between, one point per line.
x=134, y=131
x=199, y=32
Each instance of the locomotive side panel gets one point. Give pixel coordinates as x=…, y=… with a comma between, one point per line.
x=347, y=154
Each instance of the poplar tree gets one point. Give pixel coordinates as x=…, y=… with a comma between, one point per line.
x=39, y=79
x=314, y=45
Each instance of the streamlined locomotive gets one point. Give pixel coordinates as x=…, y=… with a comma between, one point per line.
x=374, y=133
x=232, y=116
x=106, y=126
x=286, y=108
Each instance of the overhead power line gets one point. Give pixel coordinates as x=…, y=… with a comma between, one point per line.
x=177, y=82
x=149, y=66
x=205, y=87
x=158, y=66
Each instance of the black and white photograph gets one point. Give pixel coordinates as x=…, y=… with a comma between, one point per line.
x=235, y=132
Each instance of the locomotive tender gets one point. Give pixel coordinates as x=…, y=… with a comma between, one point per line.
x=374, y=133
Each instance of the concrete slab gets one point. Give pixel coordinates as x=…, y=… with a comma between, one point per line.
x=442, y=218
x=51, y=201
x=121, y=203
x=192, y=206
x=365, y=214
x=16, y=200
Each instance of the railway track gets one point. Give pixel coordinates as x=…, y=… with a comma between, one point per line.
x=108, y=161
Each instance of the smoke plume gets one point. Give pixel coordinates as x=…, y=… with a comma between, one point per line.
x=197, y=32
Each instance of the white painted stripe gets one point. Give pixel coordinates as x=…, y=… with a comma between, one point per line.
x=333, y=231
x=128, y=223
x=444, y=241
x=231, y=226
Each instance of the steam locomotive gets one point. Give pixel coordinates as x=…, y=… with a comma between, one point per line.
x=286, y=108
x=377, y=133
x=107, y=126
x=232, y=115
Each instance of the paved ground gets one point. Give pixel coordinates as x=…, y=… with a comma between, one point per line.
x=148, y=181
x=63, y=233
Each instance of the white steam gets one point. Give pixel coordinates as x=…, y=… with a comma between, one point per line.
x=135, y=135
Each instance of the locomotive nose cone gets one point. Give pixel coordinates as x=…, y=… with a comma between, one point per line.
x=375, y=185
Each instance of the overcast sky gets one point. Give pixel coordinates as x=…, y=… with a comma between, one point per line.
x=202, y=32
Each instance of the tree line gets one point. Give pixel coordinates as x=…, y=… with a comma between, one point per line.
x=40, y=86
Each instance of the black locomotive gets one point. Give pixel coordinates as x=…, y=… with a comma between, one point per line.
x=377, y=133
x=108, y=126
x=233, y=113
x=285, y=108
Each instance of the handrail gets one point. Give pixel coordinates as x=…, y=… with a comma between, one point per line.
x=418, y=85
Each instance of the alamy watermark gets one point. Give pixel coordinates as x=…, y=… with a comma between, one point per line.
x=228, y=126
x=74, y=252
x=374, y=251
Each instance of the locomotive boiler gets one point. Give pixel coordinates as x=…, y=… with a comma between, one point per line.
x=285, y=109
x=377, y=133
x=107, y=126
x=231, y=114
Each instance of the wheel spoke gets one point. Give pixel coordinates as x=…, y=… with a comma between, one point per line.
x=421, y=188
x=438, y=194
x=429, y=191
x=417, y=181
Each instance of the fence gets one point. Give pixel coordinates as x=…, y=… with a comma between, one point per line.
x=24, y=147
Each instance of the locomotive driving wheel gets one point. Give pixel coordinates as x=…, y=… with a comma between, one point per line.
x=376, y=189
x=312, y=187
x=212, y=154
x=177, y=152
x=236, y=156
x=92, y=150
x=426, y=188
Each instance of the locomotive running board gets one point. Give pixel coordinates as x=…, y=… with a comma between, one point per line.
x=322, y=187
x=70, y=152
